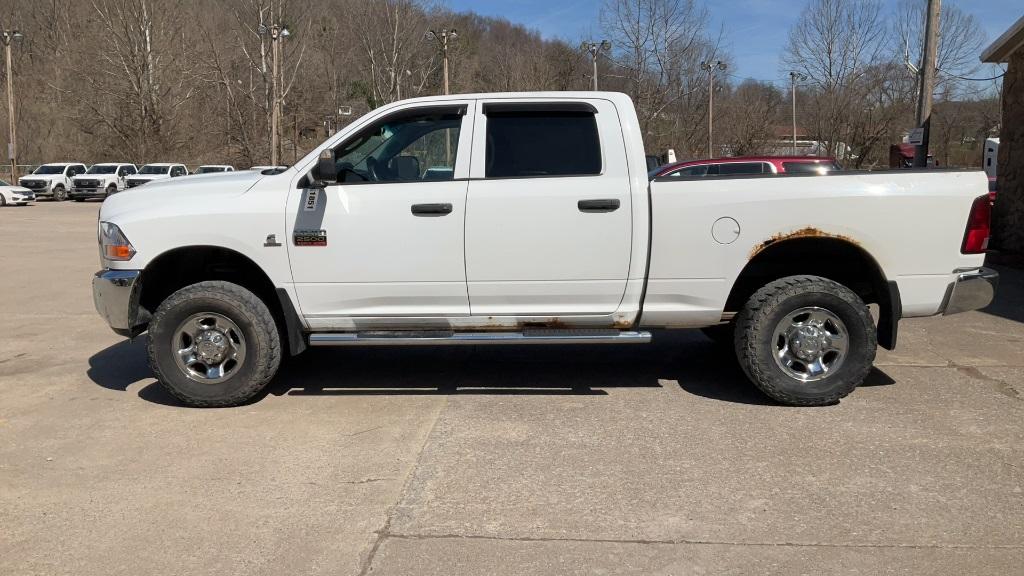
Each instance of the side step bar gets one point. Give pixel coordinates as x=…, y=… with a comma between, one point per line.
x=443, y=338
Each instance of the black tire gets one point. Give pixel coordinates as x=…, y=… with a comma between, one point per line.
x=111, y=190
x=3, y=201
x=721, y=334
x=240, y=306
x=756, y=345
x=59, y=193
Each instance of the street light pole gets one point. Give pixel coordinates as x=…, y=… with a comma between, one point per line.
x=277, y=33
x=793, y=77
x=595, y=49
x=8, y=36
x=710, y=68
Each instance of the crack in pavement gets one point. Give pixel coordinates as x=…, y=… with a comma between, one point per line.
x=385, y=530
x=700, y=542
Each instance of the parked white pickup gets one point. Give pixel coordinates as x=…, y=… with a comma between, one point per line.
x=101, y=180
x=529, y=219
x=53, y=180
x=158, y=171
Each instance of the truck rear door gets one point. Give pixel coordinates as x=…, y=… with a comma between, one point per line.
x=548, y=213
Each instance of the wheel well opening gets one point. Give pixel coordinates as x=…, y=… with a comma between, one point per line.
x=175, y=269
x=832, y=258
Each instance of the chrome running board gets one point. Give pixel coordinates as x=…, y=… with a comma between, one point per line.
x=443, y=338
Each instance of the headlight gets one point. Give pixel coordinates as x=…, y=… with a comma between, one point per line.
x=113, y=244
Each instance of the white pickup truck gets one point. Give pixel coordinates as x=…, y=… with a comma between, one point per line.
x=53, y=180
x=157, y=171
x=101, y=181
x=528, y=218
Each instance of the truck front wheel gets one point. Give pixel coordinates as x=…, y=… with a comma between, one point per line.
x=213, y=344
x=59, y=193
x=805, y=340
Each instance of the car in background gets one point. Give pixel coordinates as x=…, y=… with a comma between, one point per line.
x=157, y=171
x=750, y=165
x=17, y=195
x=101, y=180
x=213, y=168
x=53, y=180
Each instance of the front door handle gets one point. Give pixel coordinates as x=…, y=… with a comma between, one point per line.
x=431, y=209
x=602, y=205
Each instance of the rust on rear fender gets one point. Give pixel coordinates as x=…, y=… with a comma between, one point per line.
x=807, y=232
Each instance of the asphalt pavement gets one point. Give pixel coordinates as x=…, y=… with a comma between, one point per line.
x=657, y=459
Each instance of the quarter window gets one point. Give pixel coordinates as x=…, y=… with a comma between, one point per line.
x=530, y=143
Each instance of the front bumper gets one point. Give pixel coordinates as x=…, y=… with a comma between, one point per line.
x=87, y=192
x=116, y=295
x=972, y=290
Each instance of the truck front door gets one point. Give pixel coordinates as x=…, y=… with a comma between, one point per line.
x=548, y=214
x=383, y=247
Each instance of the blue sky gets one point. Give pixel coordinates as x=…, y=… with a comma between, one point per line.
x=754, y=31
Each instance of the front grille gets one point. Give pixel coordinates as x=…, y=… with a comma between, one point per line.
x=33, y=184
x=87, y=183
x=134, y=183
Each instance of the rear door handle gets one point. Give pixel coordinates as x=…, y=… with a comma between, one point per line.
x=602, y=205
x=431, y=209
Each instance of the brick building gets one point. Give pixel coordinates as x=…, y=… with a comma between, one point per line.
x=1008, y=217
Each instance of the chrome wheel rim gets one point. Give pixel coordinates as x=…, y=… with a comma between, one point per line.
x=208, y=348
x=810, y=343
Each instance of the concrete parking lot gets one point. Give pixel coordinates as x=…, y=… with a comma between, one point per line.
x=565, y=460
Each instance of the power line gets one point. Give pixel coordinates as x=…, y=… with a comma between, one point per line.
x=973, y=79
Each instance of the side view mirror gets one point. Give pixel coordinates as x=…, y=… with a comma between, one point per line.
x=326, y=168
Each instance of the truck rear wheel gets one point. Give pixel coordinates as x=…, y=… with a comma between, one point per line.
x=214, y=344
x=805, y=340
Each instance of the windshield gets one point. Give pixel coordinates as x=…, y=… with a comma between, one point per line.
x=4, y=183
x=59, y=169
x=208, y=169
x=102, y=170
x=150, y=169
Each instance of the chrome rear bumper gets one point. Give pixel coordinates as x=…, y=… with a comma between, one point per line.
x=116, y=297
x=972, y=290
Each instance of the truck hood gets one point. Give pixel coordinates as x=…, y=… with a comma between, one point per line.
x=46, y=177
x=148, y=177
x=168, y=194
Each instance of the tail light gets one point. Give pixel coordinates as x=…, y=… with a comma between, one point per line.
x=979, y=227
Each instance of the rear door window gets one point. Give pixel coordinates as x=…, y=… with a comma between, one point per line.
x=535, y=142
x=732, y=168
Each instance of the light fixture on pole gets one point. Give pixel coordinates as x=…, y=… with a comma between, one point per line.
x=277, y=33
x=710, y=68
x=8, y=37
x=595, y=49
x=795, y=77
x=442, y=36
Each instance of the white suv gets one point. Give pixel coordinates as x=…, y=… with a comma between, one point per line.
x=101, y=180
x=157, y=171
x=53, y=180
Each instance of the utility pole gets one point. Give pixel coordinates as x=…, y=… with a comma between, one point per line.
x=8, y=36
x=595, y=49
x=277, y=33
x=710, y=68
x=793, y=78
x=442, y=36
x=924, y=102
